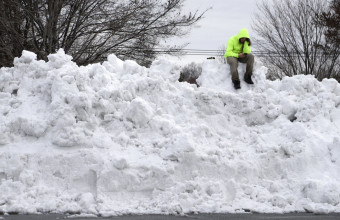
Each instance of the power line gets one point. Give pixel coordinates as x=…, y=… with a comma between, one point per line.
x=221, y=52
x=207, y=52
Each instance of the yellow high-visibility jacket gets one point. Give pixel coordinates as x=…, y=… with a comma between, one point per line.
x=234, y=47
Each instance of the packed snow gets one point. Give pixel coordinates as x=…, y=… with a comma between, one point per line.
x=117, y=138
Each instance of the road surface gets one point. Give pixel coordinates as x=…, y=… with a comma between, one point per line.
x=291, y=216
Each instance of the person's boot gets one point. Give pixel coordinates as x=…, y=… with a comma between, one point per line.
x=237, y=84
x=248, y=80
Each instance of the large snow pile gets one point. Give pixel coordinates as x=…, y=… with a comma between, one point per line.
x=118, y=138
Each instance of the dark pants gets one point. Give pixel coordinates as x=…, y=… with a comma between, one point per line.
x=233, y=62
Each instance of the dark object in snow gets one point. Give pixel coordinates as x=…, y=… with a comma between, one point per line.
x=237, y=84
x=248, y=80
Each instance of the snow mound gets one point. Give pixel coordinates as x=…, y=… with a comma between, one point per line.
x=117, y=138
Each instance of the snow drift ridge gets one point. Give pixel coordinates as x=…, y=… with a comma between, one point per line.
x=117, y=138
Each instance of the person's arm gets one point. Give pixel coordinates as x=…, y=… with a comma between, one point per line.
x=246, y=48
x=229, y=52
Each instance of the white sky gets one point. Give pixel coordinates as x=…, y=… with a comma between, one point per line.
x=225, y=19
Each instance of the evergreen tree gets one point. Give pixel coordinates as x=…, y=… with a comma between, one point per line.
x=331, y=20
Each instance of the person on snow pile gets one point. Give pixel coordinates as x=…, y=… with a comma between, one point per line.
x=238, y=50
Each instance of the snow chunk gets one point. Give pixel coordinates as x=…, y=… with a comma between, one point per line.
x=131, y=67
x=59, y=59
x=114, y=64
x=72, y=136
x=139, y=112
x=29, y=126
x=27, y=57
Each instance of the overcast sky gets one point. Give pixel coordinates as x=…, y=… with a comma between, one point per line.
x=225, y=19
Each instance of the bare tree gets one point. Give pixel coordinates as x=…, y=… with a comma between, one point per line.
x=190, y=73
x=90, y=30
x=287, y=32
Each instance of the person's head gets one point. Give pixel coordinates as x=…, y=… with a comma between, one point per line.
x=242, y=40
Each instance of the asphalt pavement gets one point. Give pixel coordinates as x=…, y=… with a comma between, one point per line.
x=291, y=216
